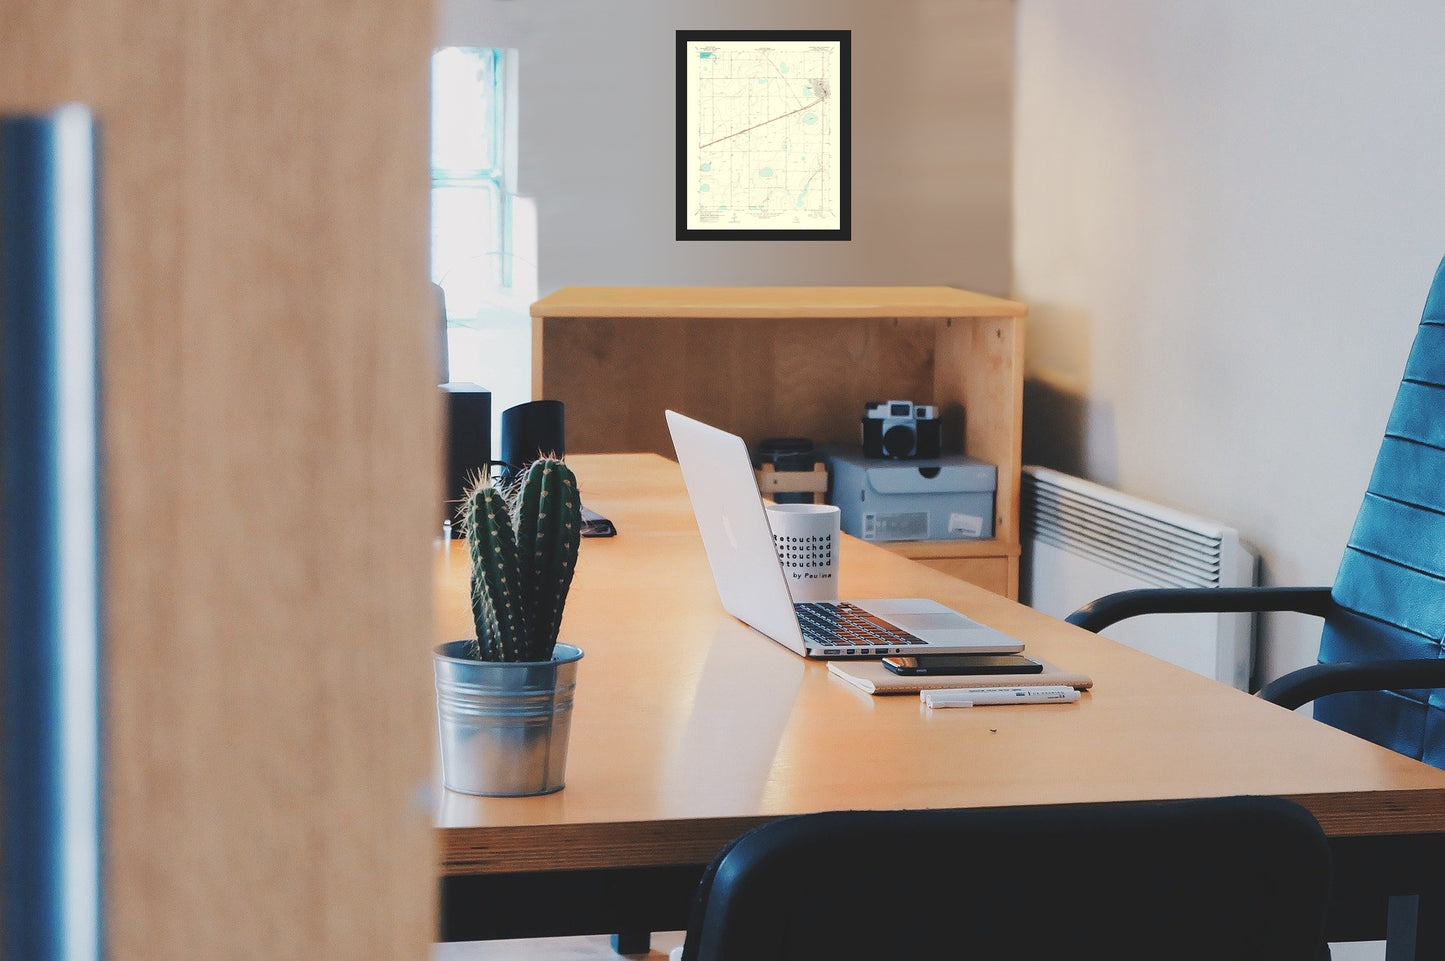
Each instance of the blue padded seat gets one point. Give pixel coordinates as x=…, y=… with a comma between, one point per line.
x=1381, y=670
x=1390, y=589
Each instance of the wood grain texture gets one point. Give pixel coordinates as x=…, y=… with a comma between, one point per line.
x=731, y=303
x=271, y=439
x=963, y=547
x=759, y=378
x=980, y=367
x=989, y=573
x=690, y=727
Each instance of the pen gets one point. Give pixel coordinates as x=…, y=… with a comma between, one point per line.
x=982, y=696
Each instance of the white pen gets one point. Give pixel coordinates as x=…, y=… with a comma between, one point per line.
x=982, y=696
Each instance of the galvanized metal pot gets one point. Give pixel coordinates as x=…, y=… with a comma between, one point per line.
x=504, y=726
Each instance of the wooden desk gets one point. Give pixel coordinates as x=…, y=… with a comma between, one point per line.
x=689, y=728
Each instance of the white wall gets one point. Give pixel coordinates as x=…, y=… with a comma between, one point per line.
x=931, y=139
x=1227, y=216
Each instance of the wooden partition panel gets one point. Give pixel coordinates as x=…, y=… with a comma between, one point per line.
x=271, y=446
x=982, y=364
x=762, y=378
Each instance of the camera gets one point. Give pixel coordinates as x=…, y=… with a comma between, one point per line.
x=901, y=429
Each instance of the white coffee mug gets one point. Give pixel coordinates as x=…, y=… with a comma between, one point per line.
x=806, y=537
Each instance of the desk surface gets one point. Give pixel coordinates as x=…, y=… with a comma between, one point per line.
x=772, y=302
x=689, y=727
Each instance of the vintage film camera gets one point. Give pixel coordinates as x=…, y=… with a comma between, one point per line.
x=901, y=429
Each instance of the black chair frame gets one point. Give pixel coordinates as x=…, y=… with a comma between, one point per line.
x=1413, y=925
x=1295, y=688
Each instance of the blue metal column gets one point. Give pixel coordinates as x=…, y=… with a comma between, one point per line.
x=50, y=699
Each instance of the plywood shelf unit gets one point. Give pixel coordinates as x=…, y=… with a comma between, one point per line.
x=794, y=361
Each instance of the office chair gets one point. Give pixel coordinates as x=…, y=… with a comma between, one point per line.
x=1381, y=650
x=1239, y=878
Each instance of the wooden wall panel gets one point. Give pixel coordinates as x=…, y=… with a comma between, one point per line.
x=992, y=381
x=271, y=437
x=760, y=378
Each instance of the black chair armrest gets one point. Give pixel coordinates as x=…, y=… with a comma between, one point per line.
x=1099, y=614
x=1304, y=685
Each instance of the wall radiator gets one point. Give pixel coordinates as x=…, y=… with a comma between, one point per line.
x=1082, y=541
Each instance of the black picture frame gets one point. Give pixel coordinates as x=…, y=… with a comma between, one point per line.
x=833, y=222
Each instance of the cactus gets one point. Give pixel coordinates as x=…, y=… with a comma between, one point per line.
x=523, y=544
x=497, y=600
x=548, y=518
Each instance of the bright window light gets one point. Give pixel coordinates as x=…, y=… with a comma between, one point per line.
x=483, y=251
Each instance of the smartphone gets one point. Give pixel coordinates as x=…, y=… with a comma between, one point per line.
x=595, y=525
x=913, y=666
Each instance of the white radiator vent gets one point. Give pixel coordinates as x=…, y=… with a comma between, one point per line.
x=1082, y=540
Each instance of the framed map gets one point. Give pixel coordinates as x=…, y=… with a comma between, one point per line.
x=763, y=135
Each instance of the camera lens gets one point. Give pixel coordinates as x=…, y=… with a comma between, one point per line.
x=899, y=440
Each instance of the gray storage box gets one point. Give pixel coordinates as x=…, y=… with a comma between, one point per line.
x=947, y=498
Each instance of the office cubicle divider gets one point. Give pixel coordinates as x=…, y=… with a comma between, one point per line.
x=50, y=541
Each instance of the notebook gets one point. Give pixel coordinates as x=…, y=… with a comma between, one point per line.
x=753, y=587
x=873, y=677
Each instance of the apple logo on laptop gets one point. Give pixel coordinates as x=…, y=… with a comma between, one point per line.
x=728, y=530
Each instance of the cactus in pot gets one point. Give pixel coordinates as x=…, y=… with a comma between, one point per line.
x=523, y=544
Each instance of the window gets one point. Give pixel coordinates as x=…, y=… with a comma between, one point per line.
x=483, y=250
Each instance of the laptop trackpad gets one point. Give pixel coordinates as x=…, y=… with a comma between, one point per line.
x=949, y=629
x=923, y=624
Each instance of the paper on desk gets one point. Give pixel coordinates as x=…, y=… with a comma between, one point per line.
x=873, y=677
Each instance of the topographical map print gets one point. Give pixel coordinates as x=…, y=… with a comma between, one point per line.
x=763, y=141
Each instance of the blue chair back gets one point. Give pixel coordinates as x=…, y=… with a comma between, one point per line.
x=1390, y=589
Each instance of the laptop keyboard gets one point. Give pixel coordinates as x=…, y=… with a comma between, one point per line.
x=849, y=628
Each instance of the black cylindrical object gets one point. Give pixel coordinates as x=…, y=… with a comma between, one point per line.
x=788, y=454
x=50, y=542
x=469, y=443
x=530, y=431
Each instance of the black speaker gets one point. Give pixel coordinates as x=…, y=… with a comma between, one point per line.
x=530, y=431
x=469, y=442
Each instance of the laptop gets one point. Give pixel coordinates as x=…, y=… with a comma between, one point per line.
x=754, y=589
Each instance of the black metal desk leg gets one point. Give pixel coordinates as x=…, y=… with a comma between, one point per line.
x=1416, y=928
x=632, y=942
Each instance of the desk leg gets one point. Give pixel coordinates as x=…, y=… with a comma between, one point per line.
x=1416, y=928
x=632, y=942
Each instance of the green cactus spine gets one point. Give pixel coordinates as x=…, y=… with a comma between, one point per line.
x=548, y=517
x=498, y=604
x=523, y=545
